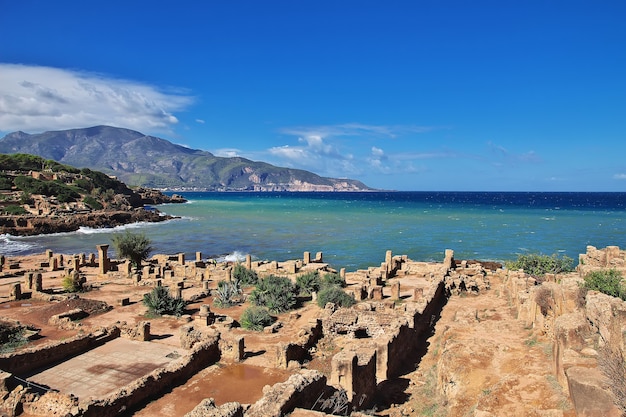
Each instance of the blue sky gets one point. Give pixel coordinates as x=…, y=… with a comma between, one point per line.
x=407, y=95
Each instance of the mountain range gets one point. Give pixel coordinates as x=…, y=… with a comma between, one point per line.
x=152, y=162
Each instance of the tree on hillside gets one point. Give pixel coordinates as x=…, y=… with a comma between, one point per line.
x=135, y=247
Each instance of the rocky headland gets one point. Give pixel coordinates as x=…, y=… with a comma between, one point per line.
x=41, y=197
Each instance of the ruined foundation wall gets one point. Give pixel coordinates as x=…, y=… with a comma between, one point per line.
x=150, y=386
x=300, y=390
x=298, y=351
x=25, y=361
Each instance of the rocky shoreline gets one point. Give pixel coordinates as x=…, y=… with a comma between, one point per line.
x=31, y=225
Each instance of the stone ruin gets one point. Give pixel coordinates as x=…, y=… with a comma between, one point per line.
x=398, y=305
x=588, y=328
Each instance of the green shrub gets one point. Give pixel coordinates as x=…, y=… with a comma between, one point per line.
x=159, y=301
x=333, y=279
x=12, y=338
x=31, y=185
x=14, y=209
x=278, y=294
x=537, y=265
x=133, y=246
x=308, y=283
x=245, y=276
x=334, y=294
x=5, y=182
x=606, y=281
x=93, y=203
x=72, y=283
x=255, y=318
x=228, y=293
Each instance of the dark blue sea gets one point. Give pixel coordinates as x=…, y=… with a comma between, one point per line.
x=354, y=230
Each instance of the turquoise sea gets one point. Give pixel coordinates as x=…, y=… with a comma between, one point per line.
x=354, y=230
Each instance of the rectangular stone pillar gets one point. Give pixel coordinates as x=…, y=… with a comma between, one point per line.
x=16, y=291
x=38, y=282
x=28, y=280
x=395, y=290
x=198, y=256
x=181, y=258
x=248, y=261
x=307, y=258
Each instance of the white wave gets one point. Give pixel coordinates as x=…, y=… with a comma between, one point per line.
x=11, y=245
x=236, y=256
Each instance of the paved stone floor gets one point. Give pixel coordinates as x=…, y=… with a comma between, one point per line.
x=107, y=368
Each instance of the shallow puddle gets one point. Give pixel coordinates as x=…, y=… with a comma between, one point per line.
x=224, y=383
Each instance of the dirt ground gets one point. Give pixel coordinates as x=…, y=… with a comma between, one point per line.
x=485, y=361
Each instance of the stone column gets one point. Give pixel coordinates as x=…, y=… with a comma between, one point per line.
x=53, y=264
x=448, y=261
x=198, y=256
x=49, y=254
x=76, y=263
x=248, y=261
x=319, y=257
x=395, y=290
x=28, y=280
x=418, y=294
x=103, y=260
x=177, y=292
x=307, y=258
x=342, y=273
x=181, y=258
x=388, y=260
x=16, y=291
x=38, y=282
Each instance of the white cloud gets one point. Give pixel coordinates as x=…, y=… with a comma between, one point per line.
x=355, y=129
x=330, y=150
x=227, y=152
x=34, y=99
x=377, y=152
x=200, y=121
x=619, y=176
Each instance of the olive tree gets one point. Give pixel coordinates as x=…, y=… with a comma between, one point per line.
x=135, y=247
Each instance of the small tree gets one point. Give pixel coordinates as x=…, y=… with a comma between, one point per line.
x=133, y=246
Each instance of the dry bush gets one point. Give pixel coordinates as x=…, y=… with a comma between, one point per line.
x=544, y=299
x=611, y=363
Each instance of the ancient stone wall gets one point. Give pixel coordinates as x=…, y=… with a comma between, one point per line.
x=302, y=390
x=150, y=386
x=30, y=359
x=299, y=350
